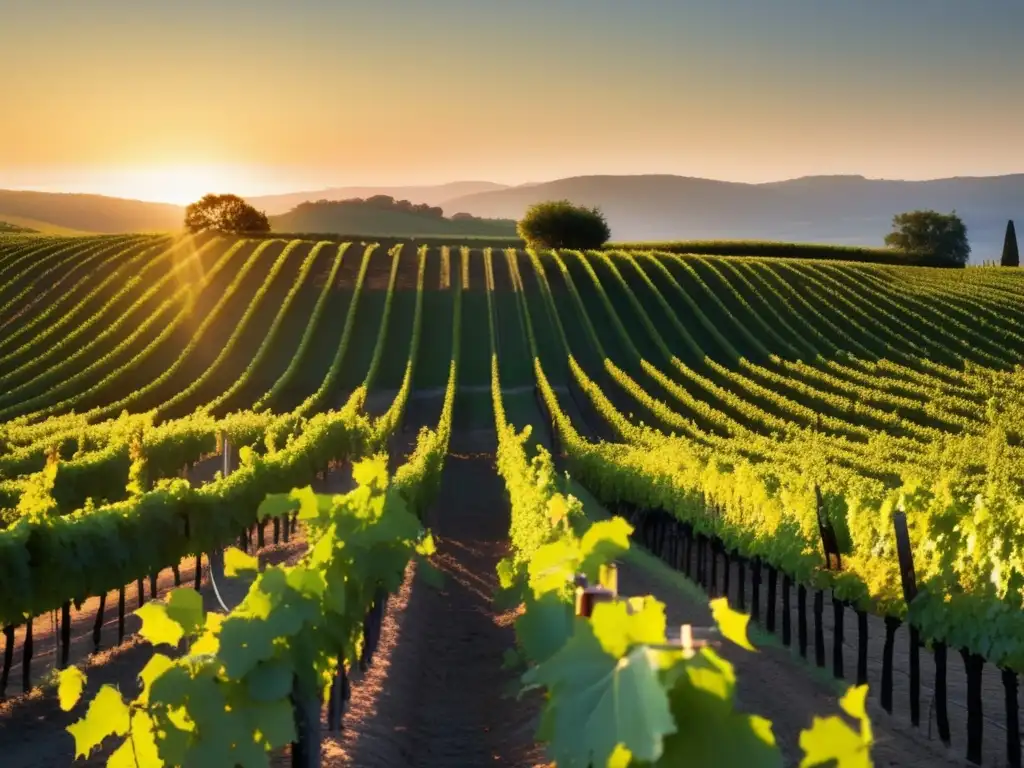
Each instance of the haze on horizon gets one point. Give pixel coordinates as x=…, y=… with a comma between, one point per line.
x=166, y=101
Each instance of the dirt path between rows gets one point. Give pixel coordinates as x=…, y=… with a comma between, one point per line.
x=435, y=693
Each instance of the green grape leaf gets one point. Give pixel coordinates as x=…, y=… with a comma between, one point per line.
x=617, y=630
x=854, y=703
x=208, y=642
x=306, y=582
x=157, y=625
x=308, y=504
x=603, y=542
x=276, y=505
x=155, y=667
x=171, y=687
x=830, y=741
x=140, y=748
x=553, y=566
x=185, y=607
x=269, y=681
x=107, y=715
x=545, y=627
x=244, y=643
x=599, y=701
x=69, y=687
x=238, y=563
x=710, y=731
x=732, y=624
x=371, y=473
x=275, y=722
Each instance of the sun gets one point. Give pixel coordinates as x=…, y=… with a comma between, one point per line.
x=178, y=184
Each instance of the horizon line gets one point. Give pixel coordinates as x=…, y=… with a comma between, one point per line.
x=506, y=186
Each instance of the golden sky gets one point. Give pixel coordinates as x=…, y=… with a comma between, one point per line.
x=166, y=101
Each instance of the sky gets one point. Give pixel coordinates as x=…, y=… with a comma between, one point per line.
x=168, y=100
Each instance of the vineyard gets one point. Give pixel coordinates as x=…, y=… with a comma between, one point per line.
x=294, y=502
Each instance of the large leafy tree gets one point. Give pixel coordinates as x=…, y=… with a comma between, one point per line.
x=225, y=213
x=1011, y=256
x=929, y=237
x=560, y=224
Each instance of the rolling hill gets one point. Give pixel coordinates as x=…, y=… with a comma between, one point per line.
x=835, y=209
x=378, y=218
x=51, y=211
x=435, y=194
x=850, y=210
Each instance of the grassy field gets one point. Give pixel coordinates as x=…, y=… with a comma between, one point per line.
x=749, y=397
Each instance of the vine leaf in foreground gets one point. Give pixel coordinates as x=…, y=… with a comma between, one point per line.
x=107, y=715
x=69, y=687
x=732, y=624
x=168, y=622
x=710, y=731
x=601, y=699
x=830, y=741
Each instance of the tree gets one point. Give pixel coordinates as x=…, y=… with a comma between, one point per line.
x=225, y=213
x=560, y=224
x=1011, y=256
x=930, y=238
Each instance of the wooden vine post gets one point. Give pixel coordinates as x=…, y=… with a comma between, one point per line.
x=908, y=578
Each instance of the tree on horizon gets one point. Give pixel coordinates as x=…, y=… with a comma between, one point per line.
x=225, y=213
x=560, y=224
x=1011, y=256
x=932, y=238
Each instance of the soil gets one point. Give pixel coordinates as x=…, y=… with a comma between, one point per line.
x=434, y=695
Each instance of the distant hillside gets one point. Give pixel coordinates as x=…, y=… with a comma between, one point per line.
x=841, y=210
x=430, y=195
x=382, y=215
x=7, y=227
x=847, y=210
x=64, y=213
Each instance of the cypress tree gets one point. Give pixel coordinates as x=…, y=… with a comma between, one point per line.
x=1011, y=256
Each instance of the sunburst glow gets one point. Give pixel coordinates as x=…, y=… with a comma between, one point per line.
x=178, y=184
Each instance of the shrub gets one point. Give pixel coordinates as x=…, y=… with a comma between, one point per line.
x=560, y=224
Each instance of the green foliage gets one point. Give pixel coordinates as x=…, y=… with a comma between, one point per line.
x=768, y=249
x=224, y=213
x=383, y=216
x=930, y=237
x=227, y=700
x=560, y=224
x=146, y=530
x=1011, y=256
x=618, y=691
